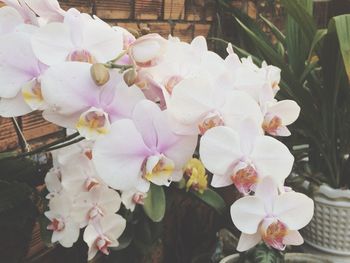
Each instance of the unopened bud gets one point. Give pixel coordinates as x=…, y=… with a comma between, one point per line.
x=130, y=77
x=99, y=74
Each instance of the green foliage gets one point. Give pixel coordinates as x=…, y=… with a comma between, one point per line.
x=261, y=254
x=212, y=199
x=315, y=66
x=155, y=203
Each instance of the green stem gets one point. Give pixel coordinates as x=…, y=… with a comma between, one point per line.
x=65, y=144
x=20, y=135
x=122, y=54
x=42, y=148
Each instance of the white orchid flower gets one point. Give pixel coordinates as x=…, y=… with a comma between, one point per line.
x=65, y=229
x=271, y=217
x=244, y=157
x=104, y=234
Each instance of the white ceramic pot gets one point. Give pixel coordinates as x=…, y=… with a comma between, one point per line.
x=289, y=258
x=329, y=230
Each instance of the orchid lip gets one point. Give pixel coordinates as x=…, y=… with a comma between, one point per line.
x=211, y=120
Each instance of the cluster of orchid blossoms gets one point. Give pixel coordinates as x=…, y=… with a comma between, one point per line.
x=144, y=104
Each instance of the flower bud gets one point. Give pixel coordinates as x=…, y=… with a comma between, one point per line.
x=130, y=77
x=99, y=74
x=147, y=50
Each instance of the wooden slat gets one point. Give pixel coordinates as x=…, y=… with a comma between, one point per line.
x=201, y=29
x=184, y=31
x=34, y=126
x=148, y=9
x=82, y=5
x=8, y=137
x=174, y=9
x=162, y=28
x=113, y=9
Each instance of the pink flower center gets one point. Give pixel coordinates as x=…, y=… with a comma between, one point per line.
x=271, y=124
x=95, y=212
x=90, y=183
x=210, y=122
x=81, y=56
x=57, y=225
x=102, y=244
x=95, y=119
x=139, y=198
x=274, y=234
x=244, y=178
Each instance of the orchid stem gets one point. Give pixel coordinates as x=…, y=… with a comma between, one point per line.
x=21, y=135
x=45, y=148
x=122, y=54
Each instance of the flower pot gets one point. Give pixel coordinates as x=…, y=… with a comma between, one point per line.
x=329, y=230
x=289, y=258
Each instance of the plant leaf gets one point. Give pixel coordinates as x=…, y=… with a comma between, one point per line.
x=300, y=11
x=212, y=199
x=342, y=27
x=154, y=203
x=277, y=33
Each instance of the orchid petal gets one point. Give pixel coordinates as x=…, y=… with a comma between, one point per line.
x=69, y=88
x=52, y=43
x=219, y=149
x=247, y=241
x=18, y=64
x=293, y=238
x=9, y=19
x=118, y=156
x=239, y=106
x=287, y=207
x=191, y=100
x=287, y=110
x=14, y=107
x=247, y=213
x=272, y=158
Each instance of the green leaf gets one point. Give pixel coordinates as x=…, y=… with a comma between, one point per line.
x=212, y=199
x=299, y=38
x=154, y=203
x=264, y=254
x=320, y=34
x=342, y=27
x=277, y=33
x=300, y=11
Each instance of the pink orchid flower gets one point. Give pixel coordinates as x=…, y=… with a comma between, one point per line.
x=244, y=157
x=20, y=74
x=271, y=217
x=23, y=9
x=75, y=101
x=49, y=10
x=142, y=150
x=78, y=38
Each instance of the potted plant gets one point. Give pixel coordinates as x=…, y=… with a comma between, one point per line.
x=150, y=114
x=315, y=73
